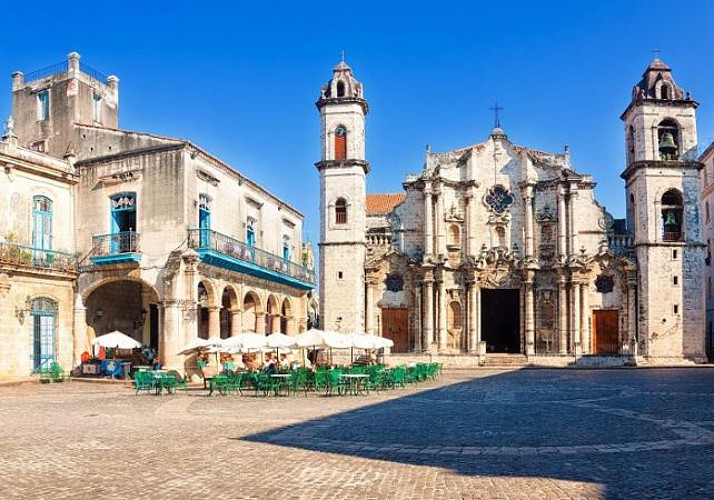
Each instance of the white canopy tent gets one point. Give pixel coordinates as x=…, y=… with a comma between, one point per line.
x=117, y=340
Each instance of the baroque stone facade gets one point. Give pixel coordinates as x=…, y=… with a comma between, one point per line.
x=168, y=242
x=499, y=248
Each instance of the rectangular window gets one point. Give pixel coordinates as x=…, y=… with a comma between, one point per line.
x=43, y=105
x=674, y=255
x=675, y=280
x=339, y=275
x=676, y=309
x=96, y=107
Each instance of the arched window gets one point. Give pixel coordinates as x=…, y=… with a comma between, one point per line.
x=664, y=91
x=341, y=211
x=43, y=314
x=340, y=89
x=340, y=143
x=672, y=216
x=668, y=140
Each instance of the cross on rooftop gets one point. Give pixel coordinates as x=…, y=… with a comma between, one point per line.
x=497, y=121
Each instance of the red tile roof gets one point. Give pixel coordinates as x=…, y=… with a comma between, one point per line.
x=383, y=203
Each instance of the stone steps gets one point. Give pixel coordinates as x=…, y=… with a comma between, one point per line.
x=506, y=361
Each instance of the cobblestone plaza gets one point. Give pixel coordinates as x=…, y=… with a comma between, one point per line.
x=526, y=434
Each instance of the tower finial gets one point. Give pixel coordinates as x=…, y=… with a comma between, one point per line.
x=343, y=55
x=497, y=120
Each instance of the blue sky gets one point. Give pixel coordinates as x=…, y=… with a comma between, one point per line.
x=240, y=78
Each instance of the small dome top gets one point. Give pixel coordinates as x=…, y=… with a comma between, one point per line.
x=658, y=64
x=342, y=85
x=342, y=66
x=498, y=133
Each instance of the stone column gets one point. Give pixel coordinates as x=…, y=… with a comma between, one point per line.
x=442, y=315
x=562, y=315
x=236, y=322
x=428, y=222
x=471, y=218
x=573, y=222
x=632, y=315
x=80, y=342
x=260, y=323
x=529, y=320
x=214, y=322
x=584, y=330
x=169, y=335
x=528, y=200
x=418, y=334
x=369, y=308
x=429, y=310
x=576, y=317
x=473, y=328
x=562, y=224
x=440, y=226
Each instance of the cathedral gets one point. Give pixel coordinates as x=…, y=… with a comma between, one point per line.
x=499, y=250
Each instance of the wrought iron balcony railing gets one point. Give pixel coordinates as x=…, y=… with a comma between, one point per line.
x=124, y=242
x=212, y=240
x=39, y=258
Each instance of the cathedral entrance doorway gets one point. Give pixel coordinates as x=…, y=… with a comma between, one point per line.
x=501, y=320
x=395, y=326
x=606, y=338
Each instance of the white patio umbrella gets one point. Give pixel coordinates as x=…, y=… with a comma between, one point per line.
x=246, y=341
x=197, y=345
x=116, y=339
x=311, y=338
x=370, y=341
x=280, y=340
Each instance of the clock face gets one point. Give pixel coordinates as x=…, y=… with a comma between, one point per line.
x=340, y=131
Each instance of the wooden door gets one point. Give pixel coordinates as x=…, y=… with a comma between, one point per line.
x=395, y=326
x=606, y=338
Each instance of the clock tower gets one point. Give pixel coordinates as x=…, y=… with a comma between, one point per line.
x=343, y=171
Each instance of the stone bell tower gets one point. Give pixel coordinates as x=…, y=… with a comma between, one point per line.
x=662, y=189
x=343, y=171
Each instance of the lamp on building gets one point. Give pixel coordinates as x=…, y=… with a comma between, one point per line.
x=140, y=322
x=98, y=314
x=20, y=311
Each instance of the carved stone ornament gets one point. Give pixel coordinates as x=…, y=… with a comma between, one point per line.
x=604, y=283
x=546, y=214
x=606, y=222
x=205, y=176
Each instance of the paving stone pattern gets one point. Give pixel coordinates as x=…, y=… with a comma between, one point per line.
x=530, y=434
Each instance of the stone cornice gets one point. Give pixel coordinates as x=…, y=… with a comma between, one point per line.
x=327, y=101
x=660, y=164
x=325, y=164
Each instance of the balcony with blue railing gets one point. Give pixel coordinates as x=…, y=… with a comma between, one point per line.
x=115, y=248
x=223, y=251
x=12, y=254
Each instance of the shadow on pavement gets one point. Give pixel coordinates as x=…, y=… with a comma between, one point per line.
x=638, y=434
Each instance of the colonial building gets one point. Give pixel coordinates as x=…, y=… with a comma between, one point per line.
x=168, y=242
x=497, y=248
x=707, y=205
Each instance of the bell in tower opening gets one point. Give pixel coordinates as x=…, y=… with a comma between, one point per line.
x=667, y=132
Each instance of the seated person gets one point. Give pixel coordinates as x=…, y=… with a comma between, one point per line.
x=250, y=363
x=284, y=362
x=269, y=366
